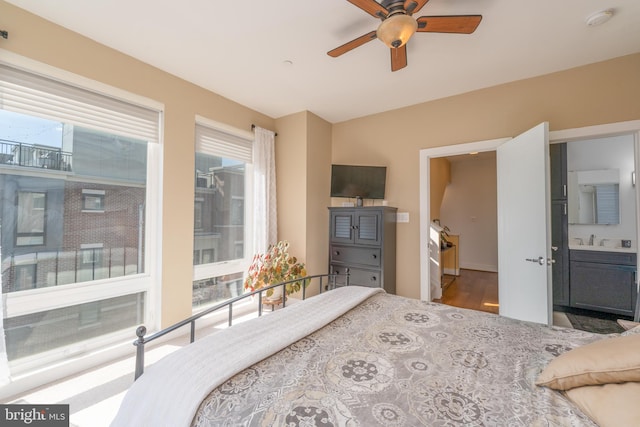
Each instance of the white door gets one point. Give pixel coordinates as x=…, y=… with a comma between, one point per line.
x=435, y=268
x=524, y=275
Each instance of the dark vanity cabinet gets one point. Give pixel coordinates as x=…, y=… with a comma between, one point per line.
x=363, y=240
x=559, y=224
x=603, y=281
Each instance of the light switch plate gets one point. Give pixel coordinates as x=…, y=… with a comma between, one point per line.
x=402, y=217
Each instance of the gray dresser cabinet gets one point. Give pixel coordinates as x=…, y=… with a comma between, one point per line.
x=363, y=240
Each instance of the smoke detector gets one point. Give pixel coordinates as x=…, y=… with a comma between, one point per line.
x=599, y=18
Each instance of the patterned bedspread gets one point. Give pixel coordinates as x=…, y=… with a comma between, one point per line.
x=394, y=361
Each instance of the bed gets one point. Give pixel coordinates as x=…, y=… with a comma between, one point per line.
x=357, y=356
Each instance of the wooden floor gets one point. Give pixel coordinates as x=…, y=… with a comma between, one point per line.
x=477, y=290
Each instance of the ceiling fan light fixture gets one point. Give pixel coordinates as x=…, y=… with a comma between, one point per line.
x=396, y=30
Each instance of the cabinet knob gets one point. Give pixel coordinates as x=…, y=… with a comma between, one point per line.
x=336, y=252
x=374, y=278
x=374, y=256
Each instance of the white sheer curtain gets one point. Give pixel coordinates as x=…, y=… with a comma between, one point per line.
x=264, y=190
x=4, y=363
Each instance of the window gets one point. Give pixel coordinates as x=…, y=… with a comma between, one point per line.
x=25, y=276
x=91, y=263
x=68, y=325
x=216, y=289
x=197, y=213
x=237, y=210
x=93, y=200
x=91, y=256
x=63, y=148
x=208, y=256
x=30, y=218
x=222, y=218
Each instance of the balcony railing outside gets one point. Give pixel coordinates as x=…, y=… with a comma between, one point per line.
x=55, y=268
x=35, y=156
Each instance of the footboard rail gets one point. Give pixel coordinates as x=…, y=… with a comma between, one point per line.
x=330, y=283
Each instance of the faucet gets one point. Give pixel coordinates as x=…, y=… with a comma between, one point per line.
x=591, y=239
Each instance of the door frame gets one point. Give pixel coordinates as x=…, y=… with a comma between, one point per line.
x=558, y=136
x=425, y=203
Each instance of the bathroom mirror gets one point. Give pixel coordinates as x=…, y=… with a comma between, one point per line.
x=594, y=196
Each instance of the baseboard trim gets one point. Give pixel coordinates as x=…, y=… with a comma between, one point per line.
x=480, y=267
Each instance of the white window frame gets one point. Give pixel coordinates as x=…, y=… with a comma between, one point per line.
x=36, y=300
x=205, y=271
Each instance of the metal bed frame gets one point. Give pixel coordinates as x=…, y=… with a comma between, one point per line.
x=142, y=330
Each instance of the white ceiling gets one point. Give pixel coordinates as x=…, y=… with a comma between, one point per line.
x=241, y=49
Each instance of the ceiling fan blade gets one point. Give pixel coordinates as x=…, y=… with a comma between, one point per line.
x=372, y=7
x=463, y=24
x=398, y=57
x=352, y=44
x=413, y=6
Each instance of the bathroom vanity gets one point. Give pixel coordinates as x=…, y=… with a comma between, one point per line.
x=603, y=279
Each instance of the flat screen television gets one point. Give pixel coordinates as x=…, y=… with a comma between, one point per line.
x=367, y=182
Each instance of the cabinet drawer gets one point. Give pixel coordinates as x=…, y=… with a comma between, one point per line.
x=621, y=258
x=351, y=255
x=357, y=276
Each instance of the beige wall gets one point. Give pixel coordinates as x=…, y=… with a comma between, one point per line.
x=604, y=92
x=470, y=209
x=439, y=178
x=304, y=174
x=318, y=190
x=42, y=41
x=291, y=148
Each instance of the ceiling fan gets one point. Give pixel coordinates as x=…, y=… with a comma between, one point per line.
x=398, y=26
